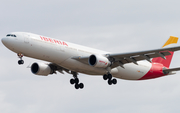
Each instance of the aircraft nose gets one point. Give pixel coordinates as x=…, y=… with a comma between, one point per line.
x=4, y=41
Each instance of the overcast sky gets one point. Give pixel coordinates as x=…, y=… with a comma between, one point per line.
x=116, y=26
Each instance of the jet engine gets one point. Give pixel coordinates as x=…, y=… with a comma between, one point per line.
x=99, y=61
x=41, y=69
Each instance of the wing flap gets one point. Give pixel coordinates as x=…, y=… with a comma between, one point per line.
x=141, y=57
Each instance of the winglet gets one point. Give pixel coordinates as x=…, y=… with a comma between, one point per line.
x=166, y=62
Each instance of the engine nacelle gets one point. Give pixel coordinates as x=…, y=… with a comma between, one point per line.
x=41, y=69
x=99, y=61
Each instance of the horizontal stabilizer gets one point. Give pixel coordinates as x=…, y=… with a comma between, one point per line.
x=167, y=71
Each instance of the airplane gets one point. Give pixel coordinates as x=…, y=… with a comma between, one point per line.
x=67, y=57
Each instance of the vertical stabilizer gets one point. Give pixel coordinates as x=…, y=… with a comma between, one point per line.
x=166, y=62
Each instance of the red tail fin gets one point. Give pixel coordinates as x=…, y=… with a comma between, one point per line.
x=166, y=62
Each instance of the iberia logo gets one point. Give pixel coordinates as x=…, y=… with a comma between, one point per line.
x=53, y=41
x=103, y=62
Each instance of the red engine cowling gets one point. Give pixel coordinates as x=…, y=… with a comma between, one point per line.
x=99, y=61
x=41, y=69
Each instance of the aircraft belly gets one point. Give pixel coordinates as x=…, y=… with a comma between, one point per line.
x=77, y=66
x=132, y=71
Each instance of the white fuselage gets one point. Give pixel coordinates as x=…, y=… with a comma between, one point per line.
x=61, y=53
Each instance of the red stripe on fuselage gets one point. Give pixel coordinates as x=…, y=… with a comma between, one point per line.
x=155, y=72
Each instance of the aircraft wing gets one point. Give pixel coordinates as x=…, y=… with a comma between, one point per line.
x=122, y=58
x=143, y=55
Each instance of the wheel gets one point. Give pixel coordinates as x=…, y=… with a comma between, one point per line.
x=76, y=80
x=81, y=85
x=72, y=81
x=76, y=86
x=109, y=76
x=21, y=62
x=110, y=82
x=105, y=77
x=114, y=81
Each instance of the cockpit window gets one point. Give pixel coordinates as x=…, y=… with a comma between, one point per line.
x=12, y=35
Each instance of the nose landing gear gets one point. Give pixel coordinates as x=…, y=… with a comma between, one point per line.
x=20, y=62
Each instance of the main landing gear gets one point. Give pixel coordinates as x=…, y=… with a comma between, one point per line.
x=76, y=83
x=109, y=78
x=20, y=62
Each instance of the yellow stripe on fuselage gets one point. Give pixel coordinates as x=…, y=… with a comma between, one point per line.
x=171, y=40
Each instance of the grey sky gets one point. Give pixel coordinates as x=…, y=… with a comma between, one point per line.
x=115, y=26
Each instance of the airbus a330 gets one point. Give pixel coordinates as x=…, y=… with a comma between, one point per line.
x=72, y=58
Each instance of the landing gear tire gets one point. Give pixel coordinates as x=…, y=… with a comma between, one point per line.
x=81, y=85
x=109, y=76
x=20, y=62
x=110, y=82
x=72, y=81
x=76, y=86
x=76, y=83
x=105, y=77
x=76, y=80
x=114, y=81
